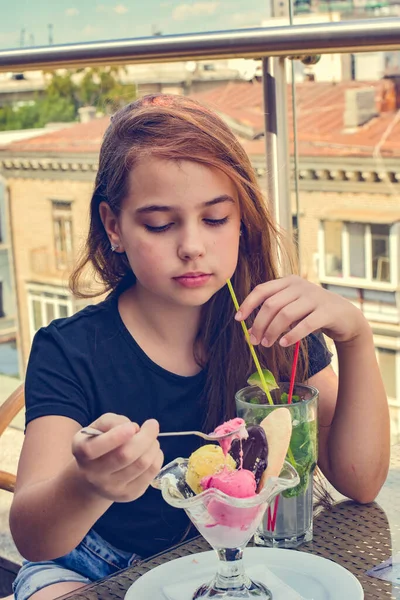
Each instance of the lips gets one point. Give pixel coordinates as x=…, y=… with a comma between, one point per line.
x=193, y=279
x=193, y=274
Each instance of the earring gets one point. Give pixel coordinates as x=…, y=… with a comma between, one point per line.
x=114, y=247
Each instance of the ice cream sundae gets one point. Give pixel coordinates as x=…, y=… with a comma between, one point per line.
x=225, y=493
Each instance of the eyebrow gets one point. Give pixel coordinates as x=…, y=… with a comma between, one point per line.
x=161, y=208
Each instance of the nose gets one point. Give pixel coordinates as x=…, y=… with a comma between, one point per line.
x=191, y=244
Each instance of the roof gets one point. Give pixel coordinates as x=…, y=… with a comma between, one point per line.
x=14, y=135
x=320, y=108
x=80, y=138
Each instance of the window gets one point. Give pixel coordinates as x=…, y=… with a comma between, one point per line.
x=357, y=250
x=45, y=306
x=333, y=248
x=380, y=252
x=387, y=365
x=62, y=223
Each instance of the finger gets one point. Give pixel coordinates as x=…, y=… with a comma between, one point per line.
x=87, y=449
x=129, y=452
x=289, y=316
x=262, y=292
x=109, y=420
x=141, y=483
x=129, y=483
x=309, y=324
x=269, y=310
x=139, y=466
x=151, y=427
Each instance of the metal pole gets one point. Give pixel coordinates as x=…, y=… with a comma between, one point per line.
x=319, y=38
x=277, y=140
x=295, y=147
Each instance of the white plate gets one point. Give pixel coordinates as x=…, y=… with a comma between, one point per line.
x=314, y=577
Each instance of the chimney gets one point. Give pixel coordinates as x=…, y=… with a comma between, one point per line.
x=394, y=79
x=359, y=107
x=87, y=113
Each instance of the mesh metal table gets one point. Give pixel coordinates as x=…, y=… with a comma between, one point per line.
x=354, y=536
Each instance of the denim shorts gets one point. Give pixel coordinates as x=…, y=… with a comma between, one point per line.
x=92, y=559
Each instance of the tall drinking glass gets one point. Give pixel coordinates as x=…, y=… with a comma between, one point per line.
x=289, y=521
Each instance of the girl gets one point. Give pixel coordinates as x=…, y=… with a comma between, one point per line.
x=176, y=211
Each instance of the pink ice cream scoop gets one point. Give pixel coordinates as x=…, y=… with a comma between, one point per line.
x=238, y=484
x=237, y=425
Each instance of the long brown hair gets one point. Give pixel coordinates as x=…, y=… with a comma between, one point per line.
x=179, y=128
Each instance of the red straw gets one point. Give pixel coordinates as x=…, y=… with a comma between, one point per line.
x=272, y=519
x=293, y=373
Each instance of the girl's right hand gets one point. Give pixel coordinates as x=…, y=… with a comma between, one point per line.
x=121, y=463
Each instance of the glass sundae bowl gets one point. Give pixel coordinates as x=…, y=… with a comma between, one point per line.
x=227, y=523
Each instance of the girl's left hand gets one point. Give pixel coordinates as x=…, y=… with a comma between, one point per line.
x=296, y=307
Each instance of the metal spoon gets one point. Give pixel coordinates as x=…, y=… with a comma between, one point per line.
x=211, y=437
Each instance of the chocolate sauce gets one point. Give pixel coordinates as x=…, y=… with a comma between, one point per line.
x=255, y=451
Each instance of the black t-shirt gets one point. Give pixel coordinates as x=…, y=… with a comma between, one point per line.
x=89, y=364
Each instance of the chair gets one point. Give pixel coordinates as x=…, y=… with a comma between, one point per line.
x=8, y=410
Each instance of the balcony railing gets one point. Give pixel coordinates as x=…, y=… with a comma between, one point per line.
x=277, y=42
x=293, y=40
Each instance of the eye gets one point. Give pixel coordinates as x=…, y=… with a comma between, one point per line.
x=216, y=222
x=159, y=229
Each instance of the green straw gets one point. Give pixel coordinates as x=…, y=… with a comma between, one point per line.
x=256, y=361
x=253, y=353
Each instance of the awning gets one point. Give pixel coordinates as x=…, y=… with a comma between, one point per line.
x=369, y=215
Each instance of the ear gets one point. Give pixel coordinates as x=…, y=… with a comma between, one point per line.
x=110, y=223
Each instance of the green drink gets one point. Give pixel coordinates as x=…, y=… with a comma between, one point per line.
x=291, y=523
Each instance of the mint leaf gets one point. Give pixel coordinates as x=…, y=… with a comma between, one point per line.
x=303, y=445
x=285, y=398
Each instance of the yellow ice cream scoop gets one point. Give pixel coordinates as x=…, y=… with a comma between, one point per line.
x=205, y=461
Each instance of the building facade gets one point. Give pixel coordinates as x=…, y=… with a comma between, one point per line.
x=348, y=220
x=9, y=358
x=49, y=217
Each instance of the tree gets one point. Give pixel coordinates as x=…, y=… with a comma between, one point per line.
x=65, y=93
x=102, y=87
x=23, y=117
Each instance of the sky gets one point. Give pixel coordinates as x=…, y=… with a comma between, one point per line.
x=26, y=22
